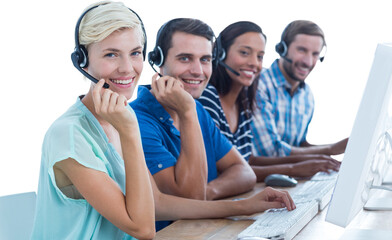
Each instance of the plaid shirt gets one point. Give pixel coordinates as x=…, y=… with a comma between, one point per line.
x=280, y=120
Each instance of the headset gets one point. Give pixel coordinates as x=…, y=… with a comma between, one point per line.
x=281, y=48
x=219, y=55
x=79, y=56
x=156, y=57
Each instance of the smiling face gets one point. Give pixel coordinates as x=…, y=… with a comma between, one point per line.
x=189, y=60
x=117, y=59
x=304, y=52
x=245, y=56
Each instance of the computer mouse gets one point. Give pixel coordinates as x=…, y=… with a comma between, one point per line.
x=252, y=238
x=280, y=180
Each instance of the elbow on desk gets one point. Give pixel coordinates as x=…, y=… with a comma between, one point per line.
x=143, y=232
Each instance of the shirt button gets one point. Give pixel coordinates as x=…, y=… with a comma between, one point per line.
x=160, y=165
x=161, y=118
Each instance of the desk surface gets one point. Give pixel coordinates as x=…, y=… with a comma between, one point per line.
x=318, y=228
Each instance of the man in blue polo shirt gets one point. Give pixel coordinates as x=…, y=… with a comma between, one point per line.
x=184, y=150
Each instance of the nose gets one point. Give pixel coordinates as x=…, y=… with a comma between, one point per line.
x=309, y=59
x=254, y=60
x=196, y=68
x=125, y=65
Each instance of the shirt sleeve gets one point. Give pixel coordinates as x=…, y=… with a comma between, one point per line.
x=266, y=140
x=221, y=145
x=156, y=152
x=72, y=141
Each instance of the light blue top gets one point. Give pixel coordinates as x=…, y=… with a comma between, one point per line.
x=76, y=134
x=280, y=120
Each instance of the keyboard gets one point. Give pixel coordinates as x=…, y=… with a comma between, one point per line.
x=320, y=176
x=319, y=190
x=310, y=197
x=280, y=223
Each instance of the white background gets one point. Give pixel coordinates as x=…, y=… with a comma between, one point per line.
x=38, y=82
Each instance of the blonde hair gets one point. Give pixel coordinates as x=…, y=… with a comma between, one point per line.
x=101, y=21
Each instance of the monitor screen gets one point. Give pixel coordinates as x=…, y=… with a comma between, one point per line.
x=367, y=158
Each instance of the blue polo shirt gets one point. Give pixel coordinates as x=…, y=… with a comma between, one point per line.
x=161, y=140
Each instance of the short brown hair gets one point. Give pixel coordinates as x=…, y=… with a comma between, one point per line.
x=301, y=27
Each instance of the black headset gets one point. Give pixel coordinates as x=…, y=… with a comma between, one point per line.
x=79, y=56
x=281, y=48
x=156, y=56
x=219, y=55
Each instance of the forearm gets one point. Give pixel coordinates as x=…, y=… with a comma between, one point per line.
x=238, y=178
x=139, y=196
x=311, y=149
x=191, y=169
x=170, y=207
x=263, y=171
x=267, y=161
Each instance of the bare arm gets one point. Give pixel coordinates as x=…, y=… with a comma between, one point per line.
x=295, y=166
x=168, y=207
x=188, y=178
x=328, y=149
x=235, y=177
x=134, y=212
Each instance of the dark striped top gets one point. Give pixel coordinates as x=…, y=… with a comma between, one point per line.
x=242, y=137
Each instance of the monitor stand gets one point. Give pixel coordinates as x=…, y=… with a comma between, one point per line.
x=366, y=234
x=379, y=203
x=388, y=176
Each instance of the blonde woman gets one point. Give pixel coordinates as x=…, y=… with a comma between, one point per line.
x=94, y=183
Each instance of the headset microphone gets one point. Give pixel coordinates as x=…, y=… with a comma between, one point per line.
x=287, y=59
x=219, y=55
x=229, y=68
x=75, y=61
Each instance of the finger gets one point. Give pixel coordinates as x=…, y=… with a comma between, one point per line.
x=113, y=102
x=169, y=84
x=154, y=83
x=161, y=84
x=105, y=99
x=179, y=83
x=123, y=99
x=97, y=94
x=286, y=199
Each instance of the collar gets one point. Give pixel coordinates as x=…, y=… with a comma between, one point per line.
x=278, y=78
x=151, y=103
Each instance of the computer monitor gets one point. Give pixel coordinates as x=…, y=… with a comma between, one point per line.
x=367, y=158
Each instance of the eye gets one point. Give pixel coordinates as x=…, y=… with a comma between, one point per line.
x=260, y=57
x=184, y=59
x=244, y=53
x=136, y=53
x=206, y=59
x=110, y=55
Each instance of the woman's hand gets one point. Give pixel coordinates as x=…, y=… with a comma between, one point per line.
x=112, y=107
x=269, y=198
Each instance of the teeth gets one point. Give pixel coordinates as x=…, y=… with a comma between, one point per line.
x=248, y=72
x=122, y=81
x=192, y=81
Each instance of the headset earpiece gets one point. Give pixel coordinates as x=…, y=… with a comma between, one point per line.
x=80, y=57
x=156, y=57
x=281, y=48
x=218, y=53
